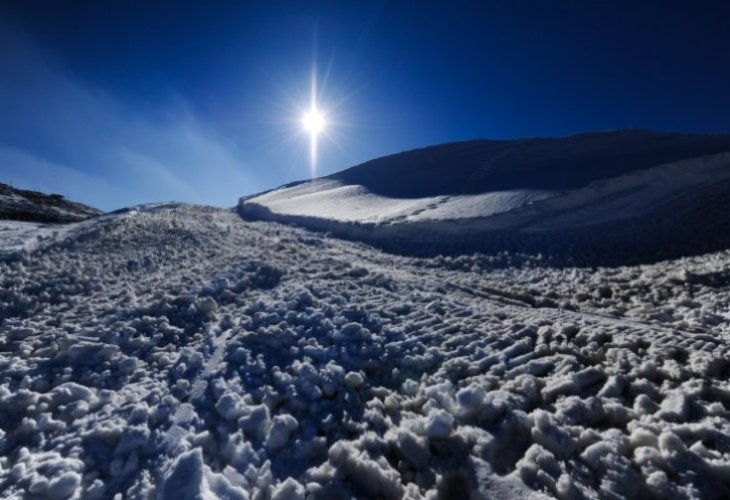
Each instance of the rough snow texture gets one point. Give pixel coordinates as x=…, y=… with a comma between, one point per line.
x=180, y=352
x=584, y=196
x=16, y=236
x=23, y=205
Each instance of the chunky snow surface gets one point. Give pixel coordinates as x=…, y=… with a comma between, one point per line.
x=20, y=204
x=575, y=195
x=16, y=236
x=179, y=352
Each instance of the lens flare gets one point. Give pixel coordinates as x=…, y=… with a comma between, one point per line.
x=313, y=121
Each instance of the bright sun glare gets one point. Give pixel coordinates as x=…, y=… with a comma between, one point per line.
x=313, y=121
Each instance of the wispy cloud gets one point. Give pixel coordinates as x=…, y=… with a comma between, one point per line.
x=62, y=134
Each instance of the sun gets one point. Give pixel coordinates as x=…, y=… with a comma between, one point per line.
x=313, y=122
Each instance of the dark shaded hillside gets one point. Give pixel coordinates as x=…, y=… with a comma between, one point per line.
x=32, y=206
x=563, y=163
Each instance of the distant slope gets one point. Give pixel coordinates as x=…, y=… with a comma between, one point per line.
x=553, y=164
x=633, y=195
x=32, y=206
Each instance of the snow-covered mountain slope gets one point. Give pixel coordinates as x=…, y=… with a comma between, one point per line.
x=181, y=352
x=22, y=205
x=330, y=199
x=586, y=195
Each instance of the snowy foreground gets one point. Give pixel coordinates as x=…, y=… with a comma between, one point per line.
x=179, y=352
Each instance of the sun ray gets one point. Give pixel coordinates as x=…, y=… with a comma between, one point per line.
x=313, y=122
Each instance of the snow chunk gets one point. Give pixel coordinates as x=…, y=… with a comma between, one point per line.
x=190, y=478
x=257, y=421
x=670, y=444
x=230, y=406
x=411, y=448
x=595, y=453
x=539, y=467
x=573, y=383
x=373, y=477
x=280, y=430
x=410, y=387
x=290, y=489
x=658, y=481
x=354, y=380
x=207, y=306
x=547, y=433
x=675, y=407
x=70, y=392
x=471, y=397
x=64, y=485
x=439, y=424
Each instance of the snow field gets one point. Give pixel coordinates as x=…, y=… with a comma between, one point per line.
x=179, y=352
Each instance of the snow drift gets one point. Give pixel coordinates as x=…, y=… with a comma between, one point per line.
x=598, y=198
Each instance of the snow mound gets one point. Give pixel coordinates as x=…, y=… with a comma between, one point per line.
x=584, y=197
x=179, y=351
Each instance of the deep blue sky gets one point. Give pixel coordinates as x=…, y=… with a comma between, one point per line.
x=121, y=102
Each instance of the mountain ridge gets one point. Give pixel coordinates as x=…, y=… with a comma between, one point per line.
x=34, y=206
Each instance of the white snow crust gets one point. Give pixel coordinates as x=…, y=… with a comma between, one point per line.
x=332, y=199
x=180, y=352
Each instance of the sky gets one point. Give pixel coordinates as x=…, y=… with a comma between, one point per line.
x=116, y=103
